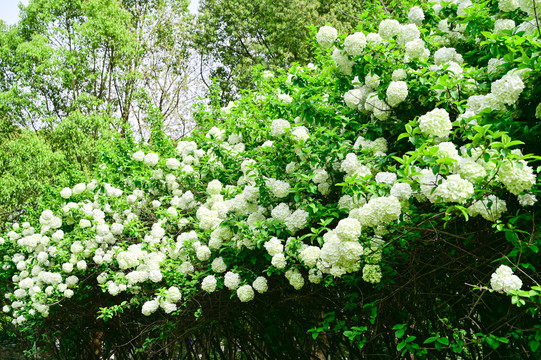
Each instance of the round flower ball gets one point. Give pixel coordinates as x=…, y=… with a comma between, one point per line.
x=435, y=123
x=172, y=164
x=326, y=36
x=138, y=156
x=388, y=29
x=416, y=15
x=65, y=193
x=151, y=159
x=150, y=307
x=209, y=284
x=397, y=92
x=79, y=188
x=231, y=280
x=260, y=284
x=245, y=293
x=355, y=43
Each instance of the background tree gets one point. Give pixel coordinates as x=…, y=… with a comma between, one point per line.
x=97, y=57
x=233, y=36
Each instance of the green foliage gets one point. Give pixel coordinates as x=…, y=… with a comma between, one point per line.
x=234, y=36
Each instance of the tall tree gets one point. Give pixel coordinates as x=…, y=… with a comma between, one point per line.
x=95, y=57
x=232, y=36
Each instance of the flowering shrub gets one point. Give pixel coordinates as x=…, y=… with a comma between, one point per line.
x=399, y=138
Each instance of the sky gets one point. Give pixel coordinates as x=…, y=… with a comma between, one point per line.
x=9, y=9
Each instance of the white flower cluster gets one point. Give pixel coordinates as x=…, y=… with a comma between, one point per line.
x=326, y=36
x=490, y=208
x=445, y=55
x=408, y=33
x=389, y=28
x=503, y=280
x=507, y=89
x=503, y=25
x=341, y=60
x=508, y=5
x=298, y=220
x=372, y=273
x=279, y=126
x=378, y=210
x=527, y=199
x=355, y=44
x=436, y=123
x=416, y=15
x=530, y=6
x=397, y=92
x=517, y=176
x=415, y=49
x=353, y=167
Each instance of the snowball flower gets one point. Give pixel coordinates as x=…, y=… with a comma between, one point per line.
x=151, y=159
x=372, y=81
x=396, y=92
x=150, y=307
x=527, y=199
x=399, y=74
x=408, y=33
x=79, y=188
x=373, y=39
x=508, y=5
x=138, y=156
x=341, y=60
x=172, y=164
x=65, y=193
x=386, y=177
x=297, y=221
x=354, y=44
x=310, y=255
x=530, y=6
x=444, y=55
x=508, y=89
x=353, y=98
x=209, y=283
x=281, y=212
x=416, y=15
x=415, y=49
x=245, y=293
x=260, y=284
x=455, y=189
x=203, y=253
x=173, y=294
x=402, y=191
x=295, y=279
x=435, y=123
x=279, y=261
x=372, y=273
x=326, y=36
x=517, y=176
x=388, y=29
x=503, y=280
x=274, y=246
x=231, y=280
x=503, y=24
x=218, y=265
x=348, y=229
x=278, y=188
x=490, y=208
x=214, y=187
x=300, y=133
x=279, y=126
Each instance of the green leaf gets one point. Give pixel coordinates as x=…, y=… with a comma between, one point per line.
x=444, y=341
